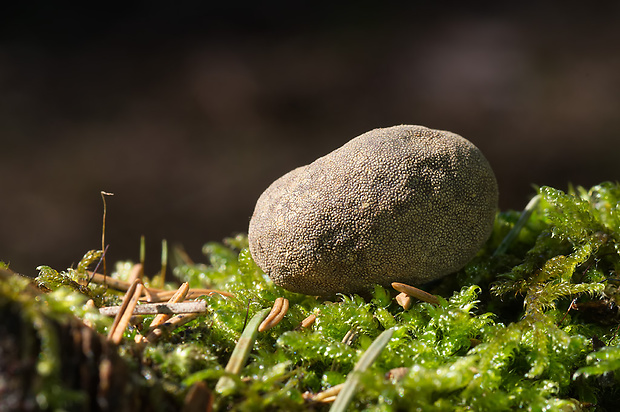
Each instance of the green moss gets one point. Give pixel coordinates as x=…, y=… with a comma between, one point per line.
x=534, y=325
x=38, y=318
x=74, y=279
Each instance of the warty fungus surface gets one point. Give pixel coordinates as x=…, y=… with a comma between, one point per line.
x=399, y=204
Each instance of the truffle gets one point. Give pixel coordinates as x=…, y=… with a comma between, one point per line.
x=399, y=204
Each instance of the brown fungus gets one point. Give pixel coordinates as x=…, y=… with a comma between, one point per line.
x=400, y=204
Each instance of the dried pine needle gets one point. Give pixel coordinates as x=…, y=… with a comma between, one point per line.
x=416, y=293
x=351, y=336
x=278, y=311
x=136, y=272
x=326, y=396
x=404, y=300
x=151, y=294
x=178, y=296
x=307, y=322
x=170, y=325
x=157, y=295
x=130, y=300
x=113, y=283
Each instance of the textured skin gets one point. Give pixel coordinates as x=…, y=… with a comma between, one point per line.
x=400, y=204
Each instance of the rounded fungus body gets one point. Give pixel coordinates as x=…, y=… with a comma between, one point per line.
x=399, y=204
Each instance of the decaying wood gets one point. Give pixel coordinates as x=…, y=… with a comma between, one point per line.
x=199, y=398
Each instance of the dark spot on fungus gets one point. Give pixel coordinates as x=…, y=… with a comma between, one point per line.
x=400, y=204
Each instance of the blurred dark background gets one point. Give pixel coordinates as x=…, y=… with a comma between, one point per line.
x=187, y=111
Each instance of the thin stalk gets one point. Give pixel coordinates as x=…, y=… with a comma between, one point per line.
x=105, y=209
x=142, y=249
x=514, y=232
x=164, y=263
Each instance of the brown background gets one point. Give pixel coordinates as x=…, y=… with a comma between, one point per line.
x=188, y=111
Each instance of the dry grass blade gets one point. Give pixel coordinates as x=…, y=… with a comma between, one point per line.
x=241, y=352
x=416, y=293
x=278, y=311
x=130, y=300
x=514, y=232
x=105, y=209
x=368, y=357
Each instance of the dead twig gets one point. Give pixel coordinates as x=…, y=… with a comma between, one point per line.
x=166, y=309
x=100, y=279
